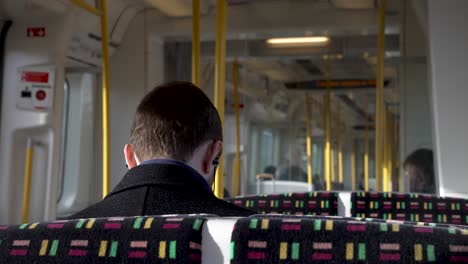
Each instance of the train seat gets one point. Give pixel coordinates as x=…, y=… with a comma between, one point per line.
x=149, y=239
x=319, y=239
x=304, y=203
x=411, y=207
x=216, y=241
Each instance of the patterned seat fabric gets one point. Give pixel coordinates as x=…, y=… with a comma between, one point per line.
x=334, y=240
x=375, y=220
x=309, y=203
x=160, y=239
x=411, y=207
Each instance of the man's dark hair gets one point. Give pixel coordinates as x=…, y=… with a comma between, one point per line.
x=172, y=121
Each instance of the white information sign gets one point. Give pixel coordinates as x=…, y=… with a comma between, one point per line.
x=35, y=88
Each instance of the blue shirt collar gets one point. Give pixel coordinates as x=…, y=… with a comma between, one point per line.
x=195, y=174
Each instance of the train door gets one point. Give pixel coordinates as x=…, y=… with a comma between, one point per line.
x=79, y=185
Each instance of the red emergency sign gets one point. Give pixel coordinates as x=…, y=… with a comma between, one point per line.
x=36, y=77
x=36, y=32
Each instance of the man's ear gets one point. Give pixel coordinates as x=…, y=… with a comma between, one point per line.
x=210, y=155
x=130, y=156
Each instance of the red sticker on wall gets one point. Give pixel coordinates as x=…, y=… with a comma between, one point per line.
x=36, y=32
x=37, y=77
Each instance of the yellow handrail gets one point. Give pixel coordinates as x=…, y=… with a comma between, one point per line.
x=339, y=145
x=27, y=180
x=385, y=173
x=220, y=78
x=196, y=42
x=309, y=139
x=353, y=163
x=105, y=100
x=366, y=146
x=236, y=175
x=102, y=12
x=389, y=151
x=87, y=7
x=397, y=157
x=379, y=142
x=327, y=128
x=332, y=160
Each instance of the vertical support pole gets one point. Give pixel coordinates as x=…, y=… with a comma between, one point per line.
x=397, y=156
x=327, y=127
x=236, y=175
x=385, y=173
x=27, y=181
x=379, y=142
x=389, y=151
x=196, y=42
x=105, y=100
x=353, y=163
x=309, y=139
x=339, y=144
x=332, y=161
x=332, y=145
x=220, y=78
x=366, y=147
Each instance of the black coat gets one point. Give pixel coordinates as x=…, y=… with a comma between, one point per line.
x=157, y=189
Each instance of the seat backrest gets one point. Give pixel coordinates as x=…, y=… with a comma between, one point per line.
x=160, y=239
x=333, y=240
x=307, y=203
x=411, y=207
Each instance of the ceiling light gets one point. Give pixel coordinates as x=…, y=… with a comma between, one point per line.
x=298, y=41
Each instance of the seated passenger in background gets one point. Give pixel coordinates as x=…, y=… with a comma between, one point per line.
x=293, y=173
x=270, y=170
x=419, y=168
x=319, y=183
x=175, y=144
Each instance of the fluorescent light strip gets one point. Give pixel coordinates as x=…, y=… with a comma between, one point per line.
x=298, y=40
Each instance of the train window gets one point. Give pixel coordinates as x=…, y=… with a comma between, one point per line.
x=276, y=80
x=253, y=150
x=266, y=149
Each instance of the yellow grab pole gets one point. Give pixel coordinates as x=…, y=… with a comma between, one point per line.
x=389, y=151
x=339, y=145
x=236, y=175
x=87, y=7
x=397, y=156
x=27, y=180
x=393, y=151
x=105, y=100
x=105, y=88
x=327, y=128
x=379, y=142
x=385, y=178
x=309, y=139
x=220, y=78
x=196, y=42
x=353, y=164
x=332, y=146
x=366, y=147
x=332, y=163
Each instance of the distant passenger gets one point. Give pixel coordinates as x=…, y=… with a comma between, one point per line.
x=419, y=167
x=293, y=173
x=175, y=144
x=270, y=170
x=319, y=183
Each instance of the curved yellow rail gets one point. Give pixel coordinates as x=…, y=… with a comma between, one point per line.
x=27, y=180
